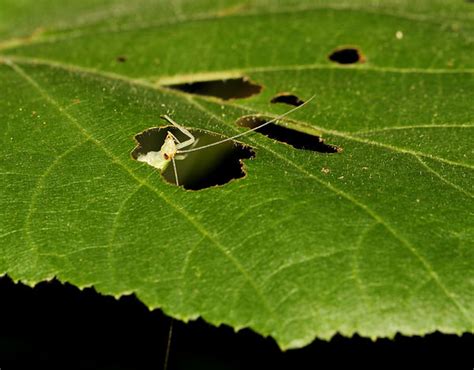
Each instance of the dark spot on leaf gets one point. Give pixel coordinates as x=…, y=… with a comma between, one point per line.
x=297, y=139
x=347, y=56
x=121, y=59
x=201, y=169
x=233, y=88
x=287, y=98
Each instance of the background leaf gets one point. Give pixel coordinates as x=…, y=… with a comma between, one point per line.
x=381, y=243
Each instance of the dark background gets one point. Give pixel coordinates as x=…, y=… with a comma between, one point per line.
x=57, y=326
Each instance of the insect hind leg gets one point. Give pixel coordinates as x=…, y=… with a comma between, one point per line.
x=186, y=143
x=180, y=157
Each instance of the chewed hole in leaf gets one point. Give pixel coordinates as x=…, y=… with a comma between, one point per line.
x=287, y=98
x=225, y=89
x=347, y=55
x=297, y=139
x=201, y=169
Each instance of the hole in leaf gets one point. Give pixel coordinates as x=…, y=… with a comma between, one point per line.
x=347, y=56
x=121, y=59
x=201, y=169
x=287, y=98
x=233, y=88
x=297, y=139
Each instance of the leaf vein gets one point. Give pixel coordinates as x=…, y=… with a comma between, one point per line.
x=443, y=179
x=415, y=127
x=39, y=186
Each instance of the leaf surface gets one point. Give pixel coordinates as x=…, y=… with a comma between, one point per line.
x=375, y=240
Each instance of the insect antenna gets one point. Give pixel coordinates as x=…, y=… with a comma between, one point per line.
x=175, y=171
x=248, y=131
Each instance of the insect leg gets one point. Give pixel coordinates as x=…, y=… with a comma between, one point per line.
x=185, y=143
x=180, y=157
x=175, y=171
x=174, y=137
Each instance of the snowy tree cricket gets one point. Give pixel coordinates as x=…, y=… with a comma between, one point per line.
x=174, y=149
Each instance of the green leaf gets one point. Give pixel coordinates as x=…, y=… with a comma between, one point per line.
x=375, y=240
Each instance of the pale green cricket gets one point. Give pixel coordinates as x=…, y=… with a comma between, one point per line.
x=173, y=149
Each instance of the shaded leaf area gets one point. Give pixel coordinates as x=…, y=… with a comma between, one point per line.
x=21, y=19
x=157, y=51
x=374, y=240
